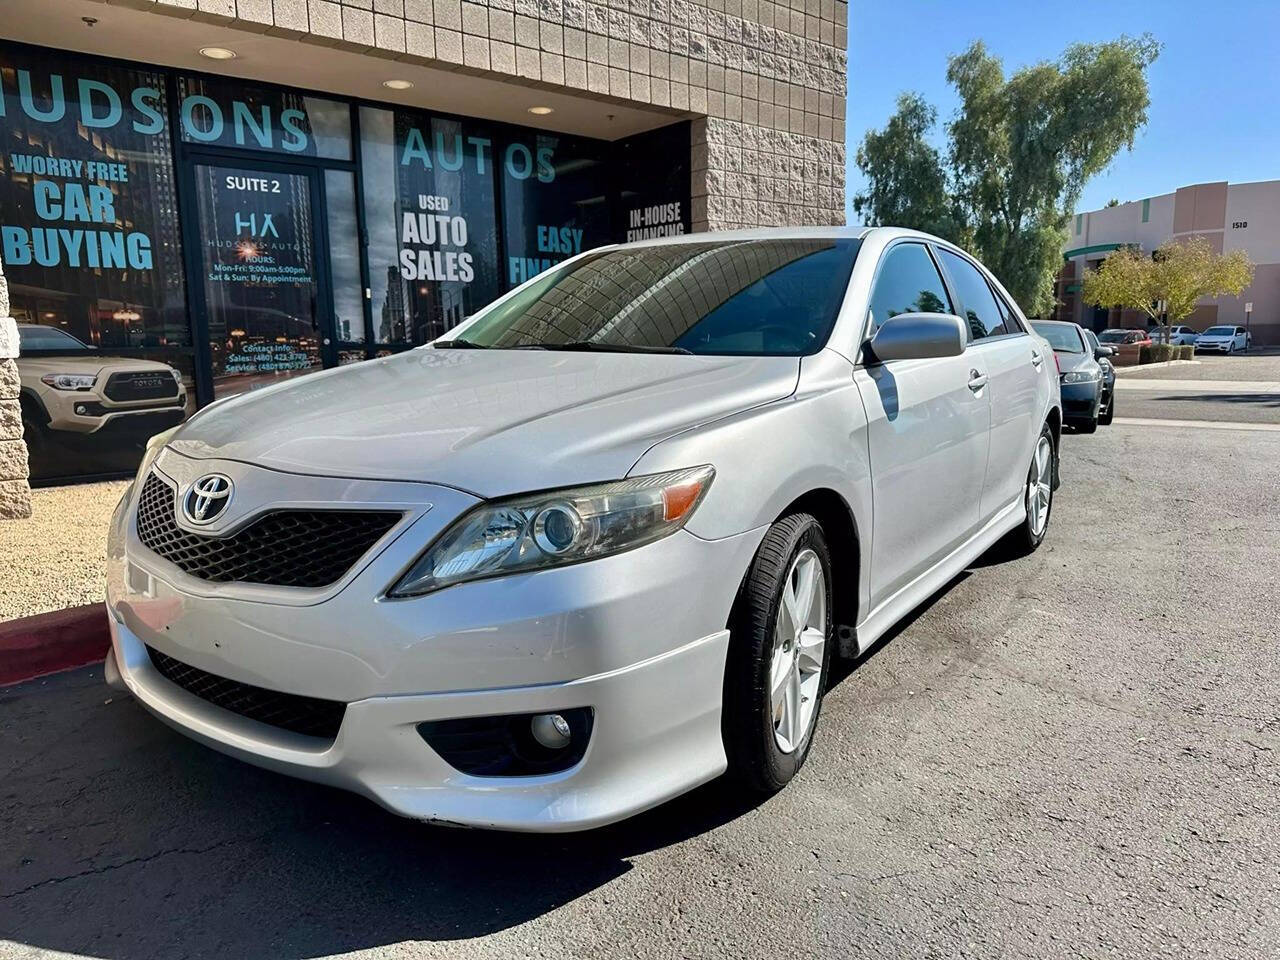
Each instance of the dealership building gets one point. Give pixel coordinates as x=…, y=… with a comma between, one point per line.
x=1231, y=216
x=200, y=197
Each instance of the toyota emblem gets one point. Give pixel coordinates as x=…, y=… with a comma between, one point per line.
x=207, y=499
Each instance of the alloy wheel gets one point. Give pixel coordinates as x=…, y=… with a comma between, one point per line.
x=799, y=645
x=1039, y=486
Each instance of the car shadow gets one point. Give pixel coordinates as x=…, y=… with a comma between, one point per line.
x=1239, y=399
x=125, y=839
x=128, y=840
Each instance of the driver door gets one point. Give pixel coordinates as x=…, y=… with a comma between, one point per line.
x=928, y=432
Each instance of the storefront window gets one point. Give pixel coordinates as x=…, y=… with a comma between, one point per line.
x=555, y=200
x=91, y=249
x=429, y=204
x=226, y=113
x=344, y=256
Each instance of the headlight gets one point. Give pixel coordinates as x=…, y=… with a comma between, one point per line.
x=68, y=381
x=154, y=446
x=1079, y=376
x=536, y=531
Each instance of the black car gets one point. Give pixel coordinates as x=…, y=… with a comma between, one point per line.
x=1103, y=354
x=1080, y=374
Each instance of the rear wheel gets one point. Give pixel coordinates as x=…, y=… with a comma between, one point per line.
x=1037, y=497
x=779, y=654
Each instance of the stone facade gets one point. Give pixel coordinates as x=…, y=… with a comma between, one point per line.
x=15, y=492
x=764, y=80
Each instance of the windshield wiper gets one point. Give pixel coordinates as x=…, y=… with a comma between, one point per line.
x=460, y=344
x=597, y=347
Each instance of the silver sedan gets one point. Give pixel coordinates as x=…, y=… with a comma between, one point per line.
x=597, y=545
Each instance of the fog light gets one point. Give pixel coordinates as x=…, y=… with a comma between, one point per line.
x=551, y=730
x=80, y=409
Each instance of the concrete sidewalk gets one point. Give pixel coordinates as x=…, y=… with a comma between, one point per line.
x=57, y=559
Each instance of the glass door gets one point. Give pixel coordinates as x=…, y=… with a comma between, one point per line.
x=263, y=276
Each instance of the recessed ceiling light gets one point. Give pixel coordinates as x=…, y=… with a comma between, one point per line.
x=397, y=84
x=217, y=53
x=541, y=111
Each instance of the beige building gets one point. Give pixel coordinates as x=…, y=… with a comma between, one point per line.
x=1236, y=216
x=218, y=194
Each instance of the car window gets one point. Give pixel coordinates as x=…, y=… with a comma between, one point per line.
x=908, y=282
x=1011, y=324
x=36, y=337
x=975, y=296
x=767, y=297
x=1064, y=338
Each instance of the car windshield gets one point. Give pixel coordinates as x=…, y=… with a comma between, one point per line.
x=769, y=297
x=1113, y=336
x=1220, y=332
x=32, y=336
x=1063, y=338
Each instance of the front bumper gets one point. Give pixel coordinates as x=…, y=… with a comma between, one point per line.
x=639, y=637
x=1081, y=401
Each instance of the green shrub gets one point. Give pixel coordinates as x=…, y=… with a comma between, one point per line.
x=1159, y=353
x=1186, y=352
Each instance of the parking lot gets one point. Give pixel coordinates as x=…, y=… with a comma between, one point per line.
x=1072, y=754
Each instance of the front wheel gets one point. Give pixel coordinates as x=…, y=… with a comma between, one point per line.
x=779, y=653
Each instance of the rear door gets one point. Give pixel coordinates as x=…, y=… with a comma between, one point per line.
x=928, y=431
x=1014, y=366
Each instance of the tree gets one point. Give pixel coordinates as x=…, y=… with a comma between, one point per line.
x=1020, y=151
x=1175, y=276
x=1113, y=202
x=907, y=185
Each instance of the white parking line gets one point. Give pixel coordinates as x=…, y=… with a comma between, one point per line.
x=1200, y=386
x=1201, y=424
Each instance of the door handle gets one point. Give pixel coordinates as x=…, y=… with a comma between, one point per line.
x=1036, y=359
x=977, y=380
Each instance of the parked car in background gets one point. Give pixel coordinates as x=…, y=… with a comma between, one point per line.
x=1079, y=373
x=1127, y=337
x=1177, y=335
x=77, y=403
x=593, y=547
x=1103, y=355
x=1224, y=339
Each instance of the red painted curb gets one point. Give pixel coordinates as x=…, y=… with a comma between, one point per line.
x=48, y=642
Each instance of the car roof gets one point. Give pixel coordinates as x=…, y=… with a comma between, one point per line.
x=789, y=233
x=1057, y=323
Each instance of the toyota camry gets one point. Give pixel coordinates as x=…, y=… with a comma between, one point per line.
x=599, y=543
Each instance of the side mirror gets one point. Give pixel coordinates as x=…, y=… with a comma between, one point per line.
x=919, y=336
x=1104, y=352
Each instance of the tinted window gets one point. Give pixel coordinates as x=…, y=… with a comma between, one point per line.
x=46, y=338
x=908, y=282
x=1062, y=337
x=985, y=319
x=1010, y=320
x=749, y=297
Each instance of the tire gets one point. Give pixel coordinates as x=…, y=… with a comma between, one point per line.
x=1088, y=426
x=763, y=754
x=1106, y=416
x=1029, y=534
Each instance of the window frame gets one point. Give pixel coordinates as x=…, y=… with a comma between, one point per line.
x=865, y=357
x=1002, y=306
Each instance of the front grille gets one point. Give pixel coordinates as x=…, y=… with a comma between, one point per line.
x=306, y=715
x=141, y=385
x=284, y=548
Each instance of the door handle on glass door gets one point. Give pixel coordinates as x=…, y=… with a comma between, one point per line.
x=977, y=380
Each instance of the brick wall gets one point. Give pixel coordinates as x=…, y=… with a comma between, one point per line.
x=766, y=81
x=15, y=493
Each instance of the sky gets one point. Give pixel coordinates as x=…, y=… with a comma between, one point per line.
x=1215, y=90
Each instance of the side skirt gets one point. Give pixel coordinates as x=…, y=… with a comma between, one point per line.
x=892, y=610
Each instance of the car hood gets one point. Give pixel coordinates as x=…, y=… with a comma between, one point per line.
x=491, y=422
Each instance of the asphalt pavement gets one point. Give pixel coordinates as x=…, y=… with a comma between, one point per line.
x=1072, y=754
x=1242, y=388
